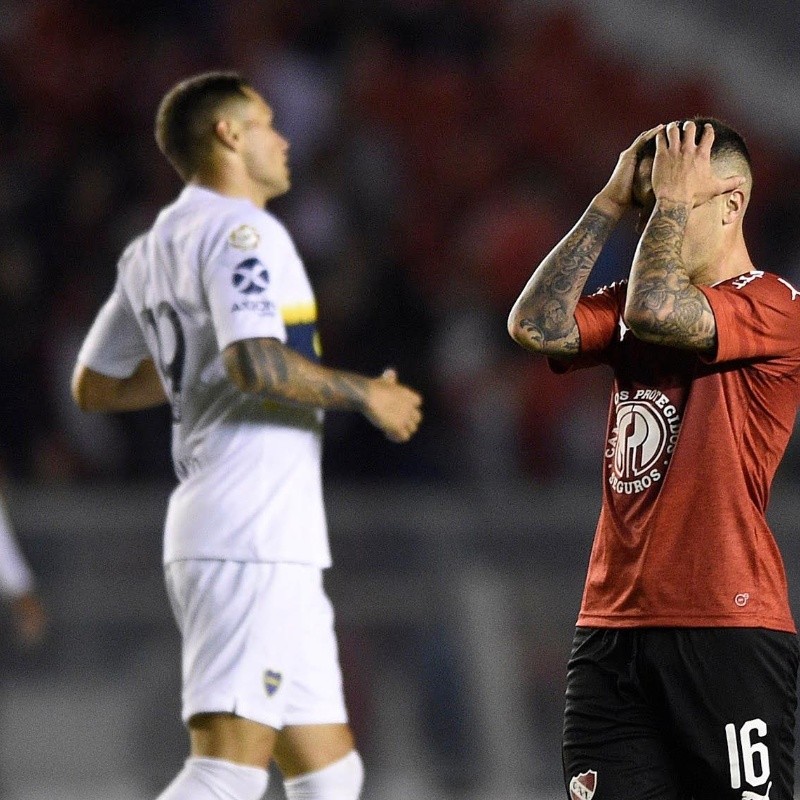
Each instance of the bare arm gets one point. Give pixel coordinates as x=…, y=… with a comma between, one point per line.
x=543, y=317
x=268, y=368
x=663, y=305
x=93, y=391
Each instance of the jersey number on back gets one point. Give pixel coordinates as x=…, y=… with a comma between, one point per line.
x=171, y=347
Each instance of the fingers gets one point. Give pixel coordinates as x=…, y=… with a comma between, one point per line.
x=644, y=137
x=706, y=140
x=687, y=140
x=410, y=418
x=729, y=184
x=672, y=135
x=403, y=431
x=395, y=408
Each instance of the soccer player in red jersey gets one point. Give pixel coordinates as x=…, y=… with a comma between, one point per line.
x=682, y=678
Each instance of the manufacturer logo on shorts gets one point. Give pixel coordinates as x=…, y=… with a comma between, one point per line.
x=755, y=795
x=250, y=276
x=583, y=785
x=741, y=599
x=272, y=681
x=644, y=435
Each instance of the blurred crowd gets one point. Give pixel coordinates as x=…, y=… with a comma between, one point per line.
x=439, y=148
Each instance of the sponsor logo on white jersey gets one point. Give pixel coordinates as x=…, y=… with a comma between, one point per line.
x=250, y=276
x=642, y=440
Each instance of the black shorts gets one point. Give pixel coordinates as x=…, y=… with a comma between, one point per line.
x=680, y=713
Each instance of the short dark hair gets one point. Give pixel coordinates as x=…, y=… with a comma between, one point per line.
x=186, y=116
x=727, y=141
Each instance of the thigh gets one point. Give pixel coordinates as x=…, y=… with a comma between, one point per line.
x=730, y=698
x=613, y=744
x=300, y=749
x=231, y=738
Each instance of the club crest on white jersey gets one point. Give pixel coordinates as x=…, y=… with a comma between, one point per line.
x=272, y=681
x=642, y=439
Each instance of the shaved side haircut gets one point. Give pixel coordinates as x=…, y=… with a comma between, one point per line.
x=187, y=114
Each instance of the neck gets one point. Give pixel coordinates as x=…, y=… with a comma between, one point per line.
x=230, y=184
x=728, y=260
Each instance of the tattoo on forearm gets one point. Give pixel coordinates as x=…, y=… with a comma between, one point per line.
x=548, y=302
x=674, y=311
x=270, y=368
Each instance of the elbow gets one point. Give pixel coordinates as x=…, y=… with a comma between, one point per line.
x=520, y=331
x=79, y=390
x=92, y=391
x=513, y=328
x=644, y=326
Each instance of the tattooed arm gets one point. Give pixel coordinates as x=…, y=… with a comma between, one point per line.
x=269, y=368
x=543, y=318
x=662, y=304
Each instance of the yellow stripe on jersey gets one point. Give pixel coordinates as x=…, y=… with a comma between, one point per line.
x=301, y=314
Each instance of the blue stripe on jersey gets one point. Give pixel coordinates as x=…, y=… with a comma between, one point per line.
x=304, y=339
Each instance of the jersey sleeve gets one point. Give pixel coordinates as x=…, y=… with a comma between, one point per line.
x=242, y=280
x=114, y=345
x=598, y=318
x=757, y=317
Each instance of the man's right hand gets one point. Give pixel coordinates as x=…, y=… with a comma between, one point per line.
x=617, y=195
x=393, y=407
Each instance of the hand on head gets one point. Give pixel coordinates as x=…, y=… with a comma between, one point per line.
x=617, y=195
x=682, y=170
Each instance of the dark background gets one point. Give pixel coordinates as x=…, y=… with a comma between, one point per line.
x=438, y=151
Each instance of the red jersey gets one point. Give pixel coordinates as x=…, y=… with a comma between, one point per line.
x=692, y=447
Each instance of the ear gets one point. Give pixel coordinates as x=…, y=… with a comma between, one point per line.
x=226, y=132
x=733, y=206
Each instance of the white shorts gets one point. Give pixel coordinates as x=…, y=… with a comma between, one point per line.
x=258, y=642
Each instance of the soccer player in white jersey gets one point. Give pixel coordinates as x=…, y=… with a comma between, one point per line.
x=213, y=312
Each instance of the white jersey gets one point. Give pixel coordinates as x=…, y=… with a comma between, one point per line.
x=214, y=270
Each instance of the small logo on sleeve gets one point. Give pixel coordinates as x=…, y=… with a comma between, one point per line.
x=250, y=276
x=741, y=599
x=245, y=237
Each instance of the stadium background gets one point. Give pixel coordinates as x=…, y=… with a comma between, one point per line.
x=439, y=148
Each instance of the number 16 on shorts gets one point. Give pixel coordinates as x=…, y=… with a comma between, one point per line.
x=747, y=754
